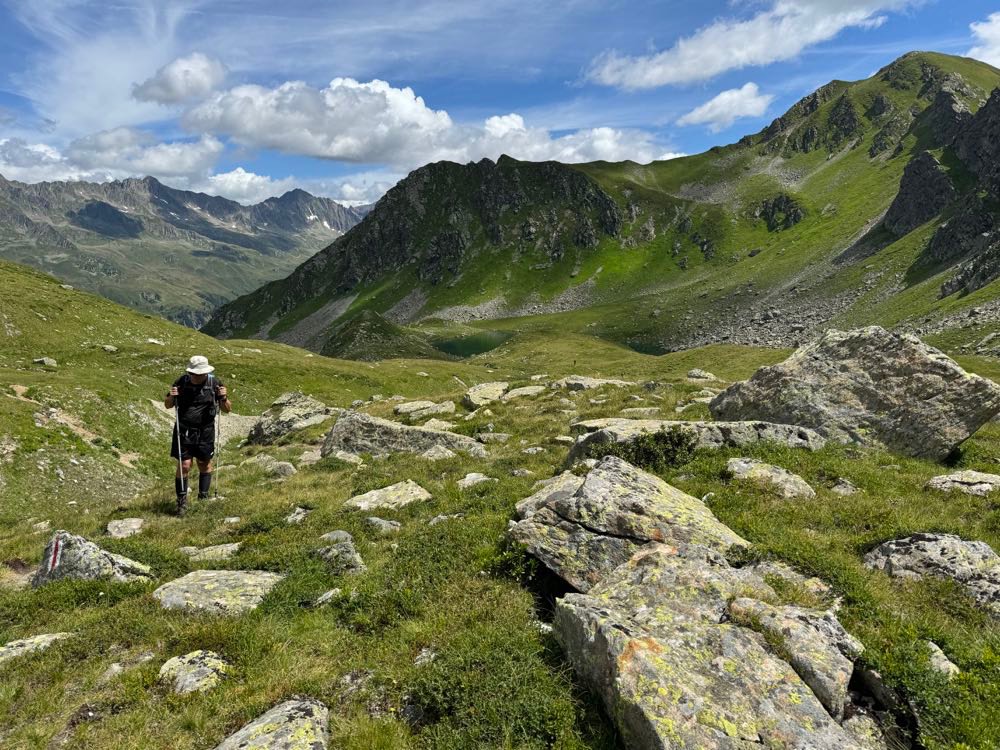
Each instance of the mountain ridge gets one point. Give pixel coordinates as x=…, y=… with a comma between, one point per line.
x=116, y=237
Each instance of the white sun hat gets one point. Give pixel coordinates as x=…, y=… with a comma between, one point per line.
x=199, y=365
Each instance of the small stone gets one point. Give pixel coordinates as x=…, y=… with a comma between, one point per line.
x=472, y=479
x=327, y=596
x=698, y=374
x=941, y=663
x=522, y=473
x=155, y=342
x=445, y=517
x=45, y=362
x=438, y=453
x=350, y=458
x=297, y=516
x=125, y=527
x=438, y=424
x=211, y=554
x=844, y=487
x=583, y=383
x=533, y=450
x=383, y=527
x=195, y=672
x=425, y=657
x=230, y=520
x=492, y=437
x=282, y=469
x=30, y=645
x=41, y=527
x=109, y=348
x=564, y=439
x=969, y=482
x=342, y=554
x=227, y=592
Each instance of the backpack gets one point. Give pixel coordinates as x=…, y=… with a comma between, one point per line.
x=210, y=383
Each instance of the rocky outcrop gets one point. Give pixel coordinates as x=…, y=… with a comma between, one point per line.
x=595, y=432
x=298, y=724
x=924, y=191
x=969, y=482
x=782, y=481
x=289, y=412
x=582, y=530
x=31, y=645
x=780, y=212
x=360, y=433
x=71, y=556
x=668, y=633
x=195, y=672
x=973, y=565
x=226, y=592
x=872, y=387
x=393, y=497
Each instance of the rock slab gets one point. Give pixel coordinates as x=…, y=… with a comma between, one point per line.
x=227, y=592
x=71, y=556
x=394, y=496
x=125, y=527
x=970, y=482
x=30, y=645
x=784, y=482
x=872, y=387
x=289, y=412
x=360, y=433
x=483, y=394
x=298, y=724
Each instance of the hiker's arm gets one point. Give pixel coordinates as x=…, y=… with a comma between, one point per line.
x=224, y=401
x=171, y=397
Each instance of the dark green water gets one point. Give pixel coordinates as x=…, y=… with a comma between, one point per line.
x=477, y=343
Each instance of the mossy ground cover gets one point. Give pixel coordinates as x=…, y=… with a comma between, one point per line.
x=456, y=587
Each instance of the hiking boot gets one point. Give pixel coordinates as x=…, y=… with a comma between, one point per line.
x=182, y=504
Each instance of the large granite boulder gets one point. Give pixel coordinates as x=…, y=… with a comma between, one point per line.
x=652, y=641
x=298, y=724
x=580, y=530
x=289, y=412
x=594, y=432
x=869, y=386
x=30, y=645
x=360, y=433
x=668, y=633
x=483, y=394
x=71, y=556
x=973, y=565
x=227, y=592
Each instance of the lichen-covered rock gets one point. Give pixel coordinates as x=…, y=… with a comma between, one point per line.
x=438, y=424
x=71, y=556
x=297, y=516
x=211, y=554
x=584, y=383
x=699, y=374
x=582, y=531
x=360, y=433
x=298, y=724
x=784, y=482
x=649, y=640
x=342, y=555
x=227, y=592
x=393, y=496
x=195, y=672
x=408, y=407
x=30, y=645
x=125, y=527
x=973, y=565
x=820, y=651
x=845, y=488
x=969, y=482
x=484, y=393
x=941, y=663
x=289, y=412
x=594, y=432
x=869, y=386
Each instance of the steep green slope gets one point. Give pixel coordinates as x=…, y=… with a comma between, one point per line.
x=764, y=241
x=172, y=252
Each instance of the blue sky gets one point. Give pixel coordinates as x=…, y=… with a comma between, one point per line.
x=248, y=99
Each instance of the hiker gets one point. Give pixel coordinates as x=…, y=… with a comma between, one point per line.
x=197, y=395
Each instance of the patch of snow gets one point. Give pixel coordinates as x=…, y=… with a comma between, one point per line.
x=311, y=217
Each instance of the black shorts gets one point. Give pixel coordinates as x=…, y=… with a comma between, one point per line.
x=196, y=442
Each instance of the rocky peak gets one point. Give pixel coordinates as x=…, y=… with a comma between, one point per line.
x=924, y=191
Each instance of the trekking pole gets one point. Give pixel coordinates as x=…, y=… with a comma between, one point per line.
x=180, y=453
x=219, y=441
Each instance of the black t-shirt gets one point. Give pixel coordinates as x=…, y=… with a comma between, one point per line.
x=197, y=403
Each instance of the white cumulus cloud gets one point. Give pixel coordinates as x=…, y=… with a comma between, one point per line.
x=780, y=32
x=722, y=110
x=987, y=34
x=184, y=79
x=131, y=151
x=245, y=187
x=377, y=123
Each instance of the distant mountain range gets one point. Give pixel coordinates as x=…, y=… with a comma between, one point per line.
x=875, y=201
x=175, y=253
